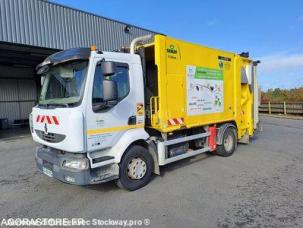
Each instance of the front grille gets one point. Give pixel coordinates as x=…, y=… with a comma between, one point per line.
x=50, y=137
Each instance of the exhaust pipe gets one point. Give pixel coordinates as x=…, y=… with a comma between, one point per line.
x=135, y=42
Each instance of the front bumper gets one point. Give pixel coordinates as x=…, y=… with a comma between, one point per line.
x=49, y=161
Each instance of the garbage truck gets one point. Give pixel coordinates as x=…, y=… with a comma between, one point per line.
x=119, y=116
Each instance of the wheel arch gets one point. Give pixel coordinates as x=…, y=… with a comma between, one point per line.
x=151, y=147
x=128, y=138
x=136, y=137
x=222, y=128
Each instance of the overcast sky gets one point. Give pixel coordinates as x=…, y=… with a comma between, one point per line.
x=271, y=30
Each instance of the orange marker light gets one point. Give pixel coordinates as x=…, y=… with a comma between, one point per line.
x=93, y=48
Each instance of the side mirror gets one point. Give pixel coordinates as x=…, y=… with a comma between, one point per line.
x=108, y=68
x=110, y=91
x=110, y=96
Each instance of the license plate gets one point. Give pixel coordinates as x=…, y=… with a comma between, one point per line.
x=47, y=172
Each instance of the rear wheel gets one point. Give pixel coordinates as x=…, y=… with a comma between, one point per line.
x=228, y=143
x=135, y=168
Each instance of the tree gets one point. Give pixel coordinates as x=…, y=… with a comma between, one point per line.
x=280, y=95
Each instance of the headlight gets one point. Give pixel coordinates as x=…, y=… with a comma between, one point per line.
x=31, y=122
x=79, y=164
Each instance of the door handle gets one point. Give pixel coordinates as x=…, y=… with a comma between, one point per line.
x=132, y=120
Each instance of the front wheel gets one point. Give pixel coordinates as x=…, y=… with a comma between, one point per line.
x=135, y=168
x=228, y=144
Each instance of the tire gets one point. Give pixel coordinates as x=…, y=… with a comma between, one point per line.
x=138, y=159
x=229, y=143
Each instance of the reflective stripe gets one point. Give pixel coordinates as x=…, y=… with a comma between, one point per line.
x=112, y=129
x=171, y=122
x=175, y=121
x=180, y=120
x=55, y=120
x=48, y=120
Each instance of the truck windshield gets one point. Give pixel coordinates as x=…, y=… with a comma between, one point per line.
x=64, y=84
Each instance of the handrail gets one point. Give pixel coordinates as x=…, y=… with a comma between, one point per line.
x=137, y=40
x=154, y=107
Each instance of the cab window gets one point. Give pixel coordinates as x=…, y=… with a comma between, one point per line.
x=121, y=77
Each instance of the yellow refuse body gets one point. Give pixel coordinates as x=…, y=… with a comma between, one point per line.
x=198, y=86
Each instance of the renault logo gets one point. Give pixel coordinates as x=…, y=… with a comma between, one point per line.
x=45, y=129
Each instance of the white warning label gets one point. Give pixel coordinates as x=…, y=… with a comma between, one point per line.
x=204, y=90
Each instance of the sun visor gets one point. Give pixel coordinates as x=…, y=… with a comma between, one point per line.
x=65, y=56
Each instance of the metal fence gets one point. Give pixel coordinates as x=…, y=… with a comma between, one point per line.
x=281, y=108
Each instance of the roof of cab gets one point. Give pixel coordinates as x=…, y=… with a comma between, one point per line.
x=65, y=56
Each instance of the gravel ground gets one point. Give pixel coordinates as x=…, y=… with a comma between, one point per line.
x=261, y=185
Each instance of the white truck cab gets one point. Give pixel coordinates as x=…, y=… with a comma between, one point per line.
x=89, y=112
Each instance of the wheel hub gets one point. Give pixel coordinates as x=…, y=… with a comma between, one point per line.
x=228, y=143
x=136, y=168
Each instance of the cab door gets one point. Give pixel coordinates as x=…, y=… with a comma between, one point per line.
x=106, y=125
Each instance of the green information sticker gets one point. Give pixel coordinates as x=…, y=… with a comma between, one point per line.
x=208, y=73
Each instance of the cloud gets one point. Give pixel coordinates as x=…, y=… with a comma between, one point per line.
x=281, y=70
x=281, y=63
